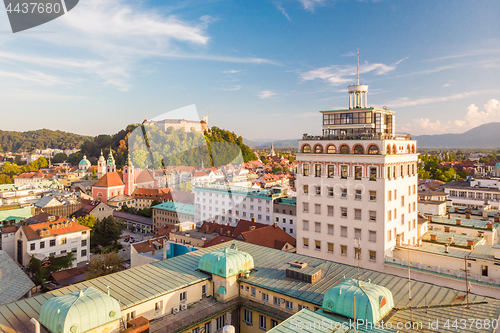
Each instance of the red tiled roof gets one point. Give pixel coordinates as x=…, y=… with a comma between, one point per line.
x=150, y=193
x=6, y=230
x=217, y=240
x=149, y=246
x=222, y=229
x=144, y=176
x=30, y=229
x=200, y=174
x=165, y=230
x=67, y=273
x=110, y=179
x=269, y=236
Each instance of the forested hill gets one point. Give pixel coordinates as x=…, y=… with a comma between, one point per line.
x=40, y=139
x=166, y=147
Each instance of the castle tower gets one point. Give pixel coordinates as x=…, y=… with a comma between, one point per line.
x=128, y=177
x=110, y=165
x=101, y=166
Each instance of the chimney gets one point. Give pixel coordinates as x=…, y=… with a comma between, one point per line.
x=449, y=216
x=446, y=248
x=164, y=248
x=467, y=216
x=489, y=225
x=275, y=224
x=153, y=251
x=253, y=219
x=458, y=221
x=446, y=229
x=206, y=229
x=252, y=227
x=228, y=232
x=496, y=218
x=434, y=237
x=149, y=242
x=430, y=218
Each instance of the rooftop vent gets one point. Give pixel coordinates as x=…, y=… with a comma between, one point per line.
x=303, y=272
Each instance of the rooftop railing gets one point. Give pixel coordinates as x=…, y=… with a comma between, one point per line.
x=358, y=137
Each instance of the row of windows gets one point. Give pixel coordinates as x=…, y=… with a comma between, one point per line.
x=343, y=172
x=283, y=220
x=331, y=191
x=248, y=319
x=372, y=234
x=52, y=242
x=372, y=255
x=347, y=118
x=224, y=196
x=244, y=206
x=372, y=214
x=343, y=149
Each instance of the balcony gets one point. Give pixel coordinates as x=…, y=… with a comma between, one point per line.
x=402, y=137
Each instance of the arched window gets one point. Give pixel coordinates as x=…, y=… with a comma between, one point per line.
x=413, y=149
x=373, y=150
x=358, y=149
x=394, y=150
x=408, y=148
x=318, y=149
x=331, y=149
x=306, y=149
x=344, y=149
x=388, y=149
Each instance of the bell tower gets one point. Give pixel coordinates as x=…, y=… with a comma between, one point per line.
x=110, y=165
x=101, y=166
x=128, y=177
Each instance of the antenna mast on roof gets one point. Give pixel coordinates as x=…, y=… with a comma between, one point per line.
x=358, y=67
x=409, y=282
x=358, y=241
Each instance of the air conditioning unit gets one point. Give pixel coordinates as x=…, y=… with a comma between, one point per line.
x=175, y=309
x=184, y=306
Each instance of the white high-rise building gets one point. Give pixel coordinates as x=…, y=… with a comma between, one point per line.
x=356, y=186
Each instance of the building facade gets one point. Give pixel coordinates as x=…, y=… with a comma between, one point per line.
x=356, y=186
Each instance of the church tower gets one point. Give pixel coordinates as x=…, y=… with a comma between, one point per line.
x=110, y=165
x=128, y=177
x=273, y=153
x=101, y=166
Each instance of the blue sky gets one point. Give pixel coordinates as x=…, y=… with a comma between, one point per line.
x=262, y=68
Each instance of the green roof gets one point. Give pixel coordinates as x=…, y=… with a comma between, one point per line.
x=485, y=252
x=14, y=282
x=373, y=302
x=240, y=190
x=226, y=262
x=15, y=214
x=176, y=207
x=466, y=223
x=459, y=240
x=79, y=311
x=222, y=290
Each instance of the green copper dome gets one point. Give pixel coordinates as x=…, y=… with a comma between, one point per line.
x=111, y=159
x=226, y=262
x=84, y=162
x=79, y=311
x=373, y=302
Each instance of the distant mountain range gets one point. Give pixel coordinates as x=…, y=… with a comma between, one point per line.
x=267, y=143
x=483, y=136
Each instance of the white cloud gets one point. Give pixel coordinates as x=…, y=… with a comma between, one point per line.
x=232, y=71
x=230, y=88
x=311, y=4
x=446, y=85
x=473, y=118
x=266, y=94
x=338, y=75
x=279, y=5
x=405, y=101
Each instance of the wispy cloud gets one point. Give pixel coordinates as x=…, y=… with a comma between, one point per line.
x=446, y=85
x=266, y=94
x=473, y=118
x=405, y=101
x=230, y=88
x=280, y=7
x=338, y=75
x=310, y=5
x=232, y=71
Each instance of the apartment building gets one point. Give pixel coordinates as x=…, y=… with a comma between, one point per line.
x=478, y=193
x=285, y=215
x=58, y=236
x=356, y=186
x=228, y=204
x=171, y=212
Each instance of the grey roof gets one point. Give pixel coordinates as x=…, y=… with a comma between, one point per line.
x=13, y=282
x=466, y=223
x=133, y=217
x=143, y=283
x=465, y=185
x=438, y=249
x=459, y=239
x=484, y=252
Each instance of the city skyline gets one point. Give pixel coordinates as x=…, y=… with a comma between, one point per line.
x=253, y=67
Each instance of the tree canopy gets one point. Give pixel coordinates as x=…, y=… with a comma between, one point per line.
x=40, y=139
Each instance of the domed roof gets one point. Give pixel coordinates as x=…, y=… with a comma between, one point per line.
x=84, y=162
x=226, y=262
x=79, y=311
x=373, y=302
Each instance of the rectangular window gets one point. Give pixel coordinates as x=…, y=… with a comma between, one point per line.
x=305, y=170
x=265, y=297
x=182, y=296
x=262, y=322
x=317, y=226
x=413, y=206
x=373, y=173
x=305, y=207
x=42, y=245
x=276, y=301
x=357, y=195
x=289, y=305
x=32, y=246
x=343, y=193
x=318, y=245
x=252, y=291
x=305, y=241
x=402, y=201
x=84, y=253
x=305, y=188
x=207, y=328
x=357, y=214
x=158, y=305
x=330, y=191
x=247, y=317
x=220, y=322
x=373, y=195
x=52, y=242
x=330, y=229
x=300, y=307
x=330, y=210
x=317, y=170
x=358, y=172
x=274, y=323
x=330, y=247
x=63, y=240
x=373, y=215
x=373, y=255
x=343, y=171
x=402, y=219
x=343, y=231
x=389, y=196
x=357, y=233
x=204, y=289
x=343, y=211
x=372, y=236
x=343, y=250
x=389, y=173
x=305, y=225
x=84, y=242
x=318, y=190
x=388, y=235
x=331, y=171
x=317, y=209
